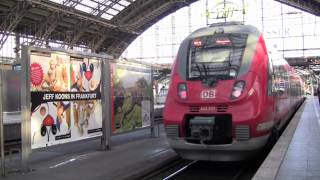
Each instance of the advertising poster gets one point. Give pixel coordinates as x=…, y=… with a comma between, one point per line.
x=131, y=97
x=65, y=98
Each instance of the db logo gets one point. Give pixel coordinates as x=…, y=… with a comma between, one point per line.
x=208, y=94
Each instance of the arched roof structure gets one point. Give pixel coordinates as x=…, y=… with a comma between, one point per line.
x=102, y=25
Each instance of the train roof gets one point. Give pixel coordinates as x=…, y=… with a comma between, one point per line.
x=227, y=27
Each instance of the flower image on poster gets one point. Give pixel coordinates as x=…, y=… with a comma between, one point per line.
x=65, y=98
x=132, y=86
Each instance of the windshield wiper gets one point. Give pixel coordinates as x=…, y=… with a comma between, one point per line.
x=200, y=72
x=205, y=69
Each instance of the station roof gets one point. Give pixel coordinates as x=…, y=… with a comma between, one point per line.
x=310, y=6
x=102, y=25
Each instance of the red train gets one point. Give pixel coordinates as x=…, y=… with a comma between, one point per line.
x=228, y=94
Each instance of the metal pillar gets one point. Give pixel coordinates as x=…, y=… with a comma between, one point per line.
x=141, y=47
x=224, y=7
x=3, y=170
x=17, y=48
x=189, y=18
x=262, y=17
x=152, y=107
x=25, y=111
x=157, y=42
x=243, y=11
x=303, y=49
x=207, y=13
x=282, y=33
x=106, y=105
x=173, y=33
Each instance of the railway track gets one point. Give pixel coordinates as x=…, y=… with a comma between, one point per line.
x=166, y=170
x=210, y=170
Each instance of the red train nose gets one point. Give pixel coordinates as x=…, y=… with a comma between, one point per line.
x=48, y=121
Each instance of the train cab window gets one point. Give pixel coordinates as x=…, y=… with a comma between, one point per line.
x=218, y=56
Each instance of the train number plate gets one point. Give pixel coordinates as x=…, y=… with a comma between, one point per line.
x=208, y=94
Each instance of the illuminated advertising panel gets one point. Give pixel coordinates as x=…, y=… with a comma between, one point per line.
x=65, y=98
x=131, y=97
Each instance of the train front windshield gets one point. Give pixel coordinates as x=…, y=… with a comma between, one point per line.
x=211, y=55
x=217, y=56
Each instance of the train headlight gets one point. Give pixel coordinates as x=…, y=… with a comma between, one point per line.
x=232, y=73
x=237, y=89
x=182, y=91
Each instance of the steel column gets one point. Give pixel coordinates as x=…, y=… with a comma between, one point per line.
x=3, y=170
x=25, y=110
x=106, y=105
x=152, y=106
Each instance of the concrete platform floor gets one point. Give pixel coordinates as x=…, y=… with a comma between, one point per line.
x=132, y=154
x=296, y=155
x=302, y=160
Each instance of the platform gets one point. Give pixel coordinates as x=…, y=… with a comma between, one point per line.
x=296, y=155
x=132, y=155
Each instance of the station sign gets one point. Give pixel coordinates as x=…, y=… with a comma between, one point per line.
x=228, y=10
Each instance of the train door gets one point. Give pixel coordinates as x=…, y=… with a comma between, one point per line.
x=280, y=92
x=273, y=86
x=283, y=93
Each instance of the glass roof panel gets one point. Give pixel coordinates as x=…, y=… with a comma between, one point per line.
x=89, y=3
x=124, y=2
x=83, y=8
x=105, y=8
x=113, y=12
x=57, y=1
x=107, y=16
x=118, y=7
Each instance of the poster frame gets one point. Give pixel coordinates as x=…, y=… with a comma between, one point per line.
x=26, y=99
x=2, y=156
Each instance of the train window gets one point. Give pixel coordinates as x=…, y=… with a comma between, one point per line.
x=212, y=55
x=217, y=56
x=270, y=77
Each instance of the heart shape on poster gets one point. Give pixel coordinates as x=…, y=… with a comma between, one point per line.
x=88, y=75
x=48, y=121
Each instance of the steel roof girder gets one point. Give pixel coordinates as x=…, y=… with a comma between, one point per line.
x=310, y=6
x=12, y=20
x=47, y=28
x=133, y=9
x=75, y=12
x=52, y=22
x=97, y=42
x=151, y=15
x=106, y=7
x=82, y=29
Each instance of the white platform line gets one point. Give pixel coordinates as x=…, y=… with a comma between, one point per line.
x=63, y=163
